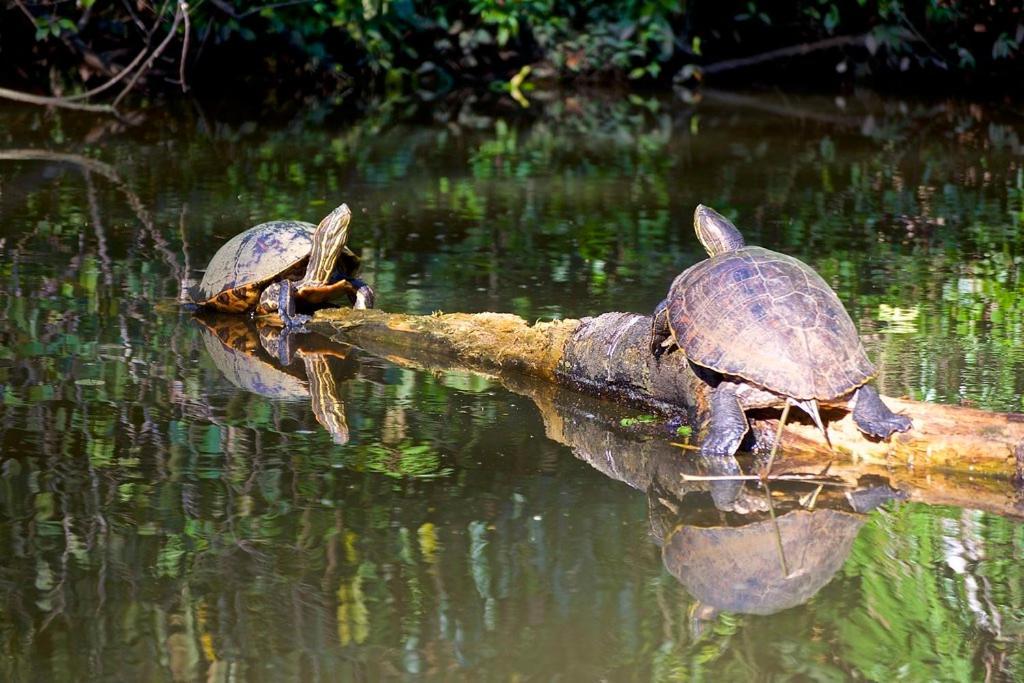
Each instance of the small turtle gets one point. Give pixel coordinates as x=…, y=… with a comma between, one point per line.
x=764, y=330
x=272, y=266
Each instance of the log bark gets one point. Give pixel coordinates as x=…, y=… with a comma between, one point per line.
x=608, y=356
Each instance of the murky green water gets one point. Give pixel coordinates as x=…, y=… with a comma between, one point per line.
x=159, y=522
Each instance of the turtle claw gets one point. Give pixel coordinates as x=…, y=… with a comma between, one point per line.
x=364, y=296
x=661, y=334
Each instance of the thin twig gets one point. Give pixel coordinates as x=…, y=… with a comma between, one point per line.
x=113, y=81
x=182, y=7
x=778, y=529
x=184, y=51
x=802, y=478
x=135, y=19
x=24, y=10
x=783, y=52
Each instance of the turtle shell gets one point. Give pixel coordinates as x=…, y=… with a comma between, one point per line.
x=771, y=320
x=248, y=262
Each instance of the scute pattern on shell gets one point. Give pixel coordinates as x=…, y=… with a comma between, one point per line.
x=254, y=257
x=770, y=319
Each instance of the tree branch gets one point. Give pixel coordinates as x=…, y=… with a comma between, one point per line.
x=184, y=52
x=63, y=102
x=783, y=53
x=178, y=15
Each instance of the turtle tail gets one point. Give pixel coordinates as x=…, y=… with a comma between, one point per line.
x=810, y=406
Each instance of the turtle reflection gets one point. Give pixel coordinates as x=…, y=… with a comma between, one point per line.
x=729, y=562
x=260, y=360
x=763, y=567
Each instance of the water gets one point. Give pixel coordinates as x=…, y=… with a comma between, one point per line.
x=160, y=522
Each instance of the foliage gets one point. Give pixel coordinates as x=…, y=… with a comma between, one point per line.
x=395, y=44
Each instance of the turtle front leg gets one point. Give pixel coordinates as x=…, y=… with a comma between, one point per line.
x=364, y=296
x=661, y=333
x=286, y=307
x=873, y=417
x=726, y=425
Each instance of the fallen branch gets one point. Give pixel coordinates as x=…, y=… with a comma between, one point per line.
x=609, y=356
x=591, y=428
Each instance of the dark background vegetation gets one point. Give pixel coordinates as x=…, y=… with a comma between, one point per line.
x=162, y=46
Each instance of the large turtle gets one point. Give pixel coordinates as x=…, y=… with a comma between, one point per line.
x=765, y=330
x=272, y=266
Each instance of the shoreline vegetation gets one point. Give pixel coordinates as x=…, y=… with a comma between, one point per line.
x=97, y=56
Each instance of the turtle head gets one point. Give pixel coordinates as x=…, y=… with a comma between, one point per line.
x=715, y=231
x=328, y=243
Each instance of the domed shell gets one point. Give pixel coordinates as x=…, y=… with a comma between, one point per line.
x=770, y=319
x=256, y=257
x=248, y=262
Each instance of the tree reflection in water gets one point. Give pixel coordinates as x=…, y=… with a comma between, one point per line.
x=158, y=523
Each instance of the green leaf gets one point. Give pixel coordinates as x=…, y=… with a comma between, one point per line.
x=832, y=18
x=1003, y=47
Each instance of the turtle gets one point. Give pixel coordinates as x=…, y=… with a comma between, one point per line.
x=764, y=330
x=272, y=266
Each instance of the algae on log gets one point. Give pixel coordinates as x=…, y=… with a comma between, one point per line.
x=608, y=356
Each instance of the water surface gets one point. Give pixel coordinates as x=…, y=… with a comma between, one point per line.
x=159, y=520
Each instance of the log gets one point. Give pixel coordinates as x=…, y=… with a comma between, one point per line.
x=607, y=356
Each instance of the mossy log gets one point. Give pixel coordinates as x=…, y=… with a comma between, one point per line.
x=608, y=356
